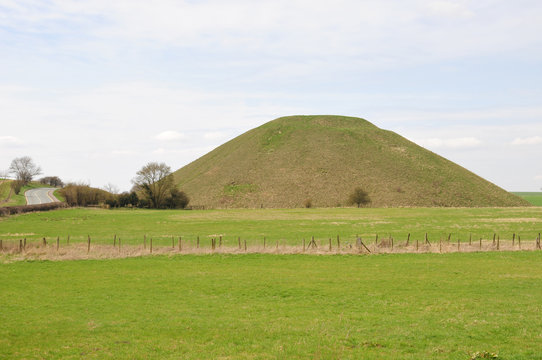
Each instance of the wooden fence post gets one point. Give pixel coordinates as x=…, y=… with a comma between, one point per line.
x=407, y=239
x=458, y=244
x=24, y=244
x=470, y=239
x=150, y=246
x=115, y=240
x=180, y=244
x=277, y=246
x=239, y=242
x=391, y=243
x=519, y=241
x=440, y=244
x=213, y=244
x=494, y=235
x=329, y=244
x=480, y=243
x=57, y=242
x=303, y=244
x=44, y=242
x=144, y=242
x=245, y=245
x=20, y=245
x=513, y=239
x=417, y=245
x=197, y=243
x=68, y=240
x=172, y=242
x=264, y=242
x=449, y=238
x=1, y=246
x=88, y=244
x=498, y=242
x=119, y=245
x=220, y=242
x=338, y=243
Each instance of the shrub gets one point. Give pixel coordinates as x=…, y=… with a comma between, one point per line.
x=16, y=186
x=177, y=199
x=307, y=203
x=359, y=197
x=84, y=195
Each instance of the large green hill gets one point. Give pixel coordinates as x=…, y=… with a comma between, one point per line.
x=287, y=161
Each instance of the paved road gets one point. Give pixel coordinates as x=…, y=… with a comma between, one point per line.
x=40, y=196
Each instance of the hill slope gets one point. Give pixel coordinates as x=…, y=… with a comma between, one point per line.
x=323, y=158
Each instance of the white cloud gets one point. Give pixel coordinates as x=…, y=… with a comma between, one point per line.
x=454, y=143
x=122, y=152
x=9, y=140
x=394, y=33
x=170, y=135
x=533, y=140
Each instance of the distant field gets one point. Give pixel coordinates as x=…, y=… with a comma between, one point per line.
x=407, y=306
x=534, y=198
x=289, y=226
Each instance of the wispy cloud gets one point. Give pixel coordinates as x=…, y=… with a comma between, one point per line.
x=533, y=140
x=170, y=135
x=9, y=140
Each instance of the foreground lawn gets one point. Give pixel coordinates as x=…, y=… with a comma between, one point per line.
x=407, y=306
x=288, y=226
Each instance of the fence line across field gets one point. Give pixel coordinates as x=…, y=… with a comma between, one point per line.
x=216, y=244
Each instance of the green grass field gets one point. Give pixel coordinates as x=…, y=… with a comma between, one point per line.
x=402, y=306
x=535, y=198
x=288, y=226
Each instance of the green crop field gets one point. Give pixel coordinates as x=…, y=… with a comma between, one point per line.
x=402, y=306
x=535, y=198
x=288, y=226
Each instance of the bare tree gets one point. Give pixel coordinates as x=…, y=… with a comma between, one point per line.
x=111, y=188
x=24, y=169
x=155, y=181
x=359, y=197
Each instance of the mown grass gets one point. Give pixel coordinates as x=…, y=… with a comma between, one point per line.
x=425, y=306
x=288, y=226
x=535, y=198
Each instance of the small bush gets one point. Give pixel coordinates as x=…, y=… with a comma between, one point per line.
x=16, y=186
x=307, y=203
x=359, y=197
x=483, y=355
x=177, y=199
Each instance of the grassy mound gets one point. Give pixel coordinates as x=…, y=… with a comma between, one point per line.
x=291, y=160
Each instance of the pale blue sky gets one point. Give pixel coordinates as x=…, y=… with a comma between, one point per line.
x=92, y=90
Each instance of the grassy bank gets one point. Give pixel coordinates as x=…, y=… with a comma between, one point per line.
x=268, y=306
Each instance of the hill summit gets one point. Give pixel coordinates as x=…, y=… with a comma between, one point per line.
x=292, y=160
